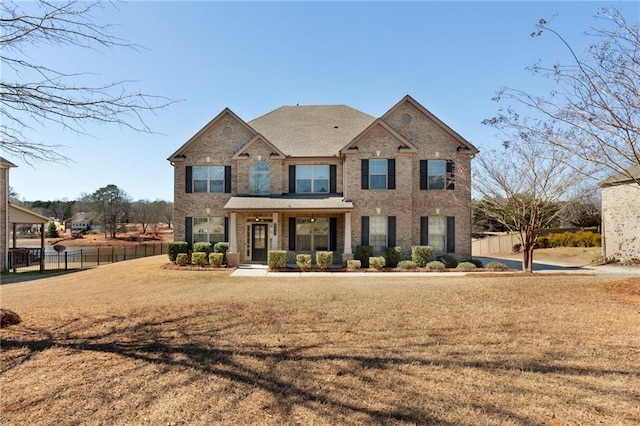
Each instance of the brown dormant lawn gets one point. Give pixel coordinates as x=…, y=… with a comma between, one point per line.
x=132, y=343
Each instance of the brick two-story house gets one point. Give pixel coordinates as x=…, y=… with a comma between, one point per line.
x=310, y=178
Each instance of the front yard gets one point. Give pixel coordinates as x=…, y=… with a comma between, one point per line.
x=132, y=343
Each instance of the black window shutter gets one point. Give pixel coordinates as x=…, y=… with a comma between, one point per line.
x=333, y=233
x=424, y=230
x=188, y=179
x=391, y=231
x=227, y=179
x=292, y=179
x=365, y=231
x=423, y=175
x=365, y=176
x=391, y=173
x=188, y=230
x=226, y=229
x=332, y=179
x=451, y=234
x=292, y=233
x=450, y=175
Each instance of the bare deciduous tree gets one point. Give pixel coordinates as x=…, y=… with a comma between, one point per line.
x=51, y=96
x=596, y=98
x=527, y=185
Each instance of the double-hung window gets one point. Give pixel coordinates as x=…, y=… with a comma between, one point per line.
x=436, y=174
x=378, y=233
x=438, y=232
x=208, y=229
x=312, y=179
x=378, y=173
x=312, y=234
x=208, y=179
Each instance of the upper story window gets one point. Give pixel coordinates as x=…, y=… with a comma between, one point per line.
x=312, y=179
x=378, y=173
x=259, y=178
x=436, y=174
x=208, y=179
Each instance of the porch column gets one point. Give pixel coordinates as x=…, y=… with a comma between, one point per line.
x=276, y=232
x=347, y=236
x=233, y=257
x=233, y=232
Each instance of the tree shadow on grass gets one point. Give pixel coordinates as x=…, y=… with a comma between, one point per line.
x=200, y=341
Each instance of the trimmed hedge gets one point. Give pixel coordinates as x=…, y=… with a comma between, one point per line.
x=393, y=255
x=497, y=266
x=377, y=262
x=303, y=261
x=407, y=264
x=277, y=259
x=202, y=247
x=353, y=264
x=182, y=259
x=421, y=254
x=363, y=253
x=324, y=259
x=476, y=262
x=221, y=247
x=435, y=265
x=448, y=260
x=216, y=259
x=199, y=258
x=176, y=247
x=466, y=266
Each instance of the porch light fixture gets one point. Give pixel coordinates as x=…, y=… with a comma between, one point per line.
x=313, y=219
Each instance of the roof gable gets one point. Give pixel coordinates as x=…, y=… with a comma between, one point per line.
x=20, y=215
x=242, y=153
x=630, y=175
x=408, y=99
x=405, y=145
x=225, y=112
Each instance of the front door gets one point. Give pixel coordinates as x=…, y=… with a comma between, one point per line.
x=259, y=242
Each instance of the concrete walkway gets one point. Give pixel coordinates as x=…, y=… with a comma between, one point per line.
x=515, y=265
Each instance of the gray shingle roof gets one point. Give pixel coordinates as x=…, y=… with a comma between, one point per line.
x=620, y=178
x=288, y=203
x=311, y=131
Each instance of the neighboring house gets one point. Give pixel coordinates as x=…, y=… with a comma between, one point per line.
x=5, y=165
x=621, y=215
x=79, y=222
x=310, y=178
x=10, y=217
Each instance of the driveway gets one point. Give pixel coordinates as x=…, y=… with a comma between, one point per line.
x=611, y=269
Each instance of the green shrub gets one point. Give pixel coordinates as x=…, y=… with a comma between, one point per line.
x=363, y=253
x=448, y=260
x=221, y=247
x=324, y=259
x=177, y=247
x=496, y=266
x=435, y=265
x=202, y=247
x=353, y=264
x=377, y=262
x=303, y=261
x=199, y=258
x=182, y=259
x=407, y=264
x=466, y=266
x=393, y=255
x=421, y=254
x=216, y=259
x=277, y=259
x=476, y=262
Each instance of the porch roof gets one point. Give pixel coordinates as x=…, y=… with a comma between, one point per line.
x=288, y=203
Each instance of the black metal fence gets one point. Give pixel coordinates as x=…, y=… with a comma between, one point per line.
x=88, y=257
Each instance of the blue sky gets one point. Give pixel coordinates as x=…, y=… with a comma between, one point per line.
x=256, y=56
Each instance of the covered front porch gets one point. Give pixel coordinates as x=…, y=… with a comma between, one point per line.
x=297, y=224
x=25, y=256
